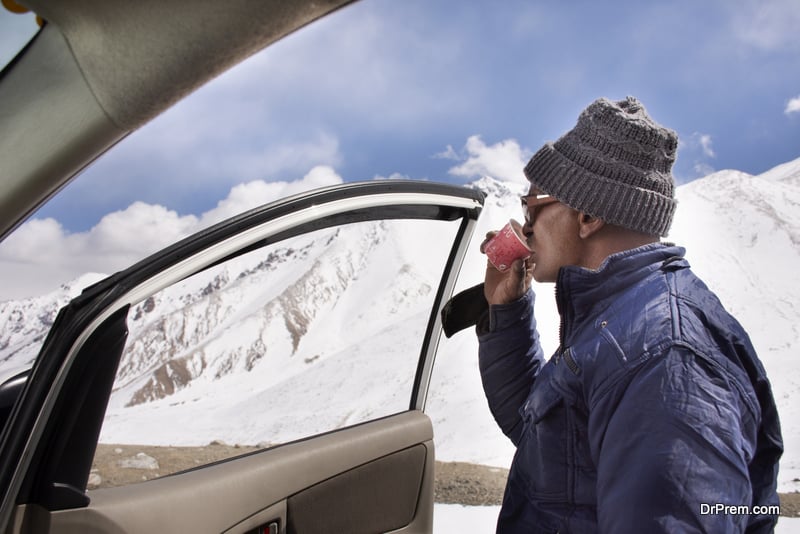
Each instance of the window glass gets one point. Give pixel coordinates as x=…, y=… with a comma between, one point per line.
x=16, y=29
x=309, y=335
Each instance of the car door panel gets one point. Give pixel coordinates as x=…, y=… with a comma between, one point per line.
x=376, y=476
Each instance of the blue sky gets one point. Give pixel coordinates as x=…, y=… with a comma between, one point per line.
x=448, y=90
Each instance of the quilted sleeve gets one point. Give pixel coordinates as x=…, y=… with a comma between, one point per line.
x=509, y=357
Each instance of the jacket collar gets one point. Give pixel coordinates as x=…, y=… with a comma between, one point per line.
x=581, y=292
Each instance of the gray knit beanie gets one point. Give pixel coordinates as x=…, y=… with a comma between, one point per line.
x=615, y=164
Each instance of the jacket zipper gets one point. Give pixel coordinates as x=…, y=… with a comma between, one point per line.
x=563, y=351
x=562, y=312
x=570, y=361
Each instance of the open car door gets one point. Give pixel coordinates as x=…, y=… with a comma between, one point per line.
x=320, y=321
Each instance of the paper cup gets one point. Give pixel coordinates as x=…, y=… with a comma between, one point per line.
x=507, y=246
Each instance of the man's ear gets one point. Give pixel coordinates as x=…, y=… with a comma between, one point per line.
x=588, y=225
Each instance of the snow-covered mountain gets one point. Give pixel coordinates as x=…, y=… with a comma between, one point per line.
x=240, y=342
x=25, y=323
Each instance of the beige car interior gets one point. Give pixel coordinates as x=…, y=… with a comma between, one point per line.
x=352, y=480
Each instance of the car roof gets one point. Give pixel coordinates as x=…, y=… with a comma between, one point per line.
x=98, y=70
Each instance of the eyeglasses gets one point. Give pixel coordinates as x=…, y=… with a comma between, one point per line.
x=531, y=202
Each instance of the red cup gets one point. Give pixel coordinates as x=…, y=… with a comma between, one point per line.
x=507, y=246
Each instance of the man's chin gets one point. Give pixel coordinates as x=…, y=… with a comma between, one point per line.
x=541, y=276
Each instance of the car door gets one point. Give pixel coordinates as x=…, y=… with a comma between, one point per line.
x=361, y=470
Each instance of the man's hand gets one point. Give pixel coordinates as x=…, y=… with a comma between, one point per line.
x=503, y=288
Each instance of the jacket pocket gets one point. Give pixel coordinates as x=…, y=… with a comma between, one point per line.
x=544, y=447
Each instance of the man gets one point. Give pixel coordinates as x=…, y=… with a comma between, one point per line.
x=655, y=408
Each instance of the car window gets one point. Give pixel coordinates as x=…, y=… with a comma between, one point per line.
x=285, y=342
x=17, y=27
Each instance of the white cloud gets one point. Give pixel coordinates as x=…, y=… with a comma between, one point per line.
x=448, y=153
x=256, y=193
x=41, y=254
x=698, y=148
x=393, y=176
x=503, y=161
x=705, y=144
x=767, y=24
x=700, y=144
x=24, y=245
x=793, y=106
x=140, y=228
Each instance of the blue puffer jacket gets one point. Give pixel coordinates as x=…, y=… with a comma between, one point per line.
x=654, y=412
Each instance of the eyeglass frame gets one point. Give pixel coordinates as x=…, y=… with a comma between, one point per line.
x=534, y=200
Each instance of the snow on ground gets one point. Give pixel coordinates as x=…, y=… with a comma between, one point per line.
x=449, y=518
